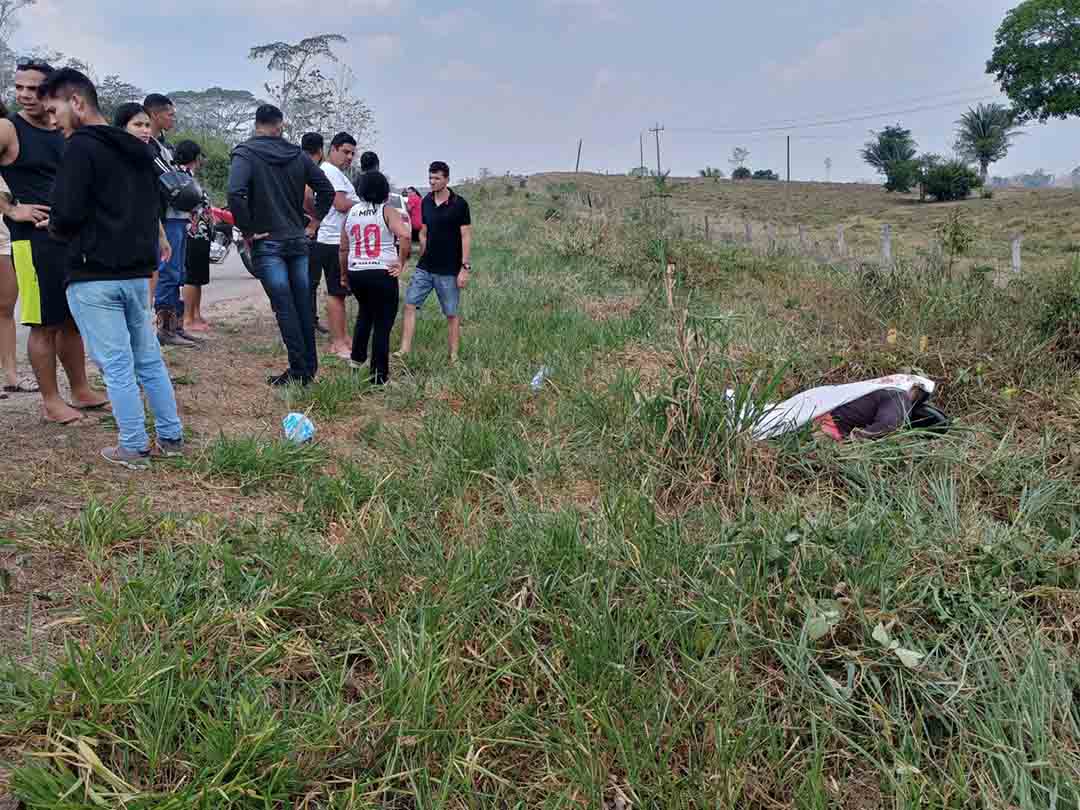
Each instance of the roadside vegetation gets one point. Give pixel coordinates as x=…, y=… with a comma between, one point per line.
x=601, y=593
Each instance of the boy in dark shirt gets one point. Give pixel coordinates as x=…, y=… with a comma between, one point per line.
x=445, y=264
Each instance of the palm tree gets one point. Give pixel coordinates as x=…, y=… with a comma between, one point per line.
x=984, y=134
x=889, y=146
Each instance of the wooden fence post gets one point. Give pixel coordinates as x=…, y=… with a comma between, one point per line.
x=706, y=227
x=886, y=244
x=1017, y=241
x=841, y=246
x=802, y=237
x=749, y=234
x=771, y=229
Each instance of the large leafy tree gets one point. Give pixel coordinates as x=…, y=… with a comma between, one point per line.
x=892, y=153
x=984, y=134
x=313, y=89
x=346, y=111
x=9, y=10
x=1036, y=59
x=310, y=97
x=216, y=112
x=114, y=91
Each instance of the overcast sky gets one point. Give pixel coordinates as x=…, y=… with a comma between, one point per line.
x=513, y=85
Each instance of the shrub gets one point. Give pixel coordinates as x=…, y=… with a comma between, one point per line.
x=952, y=180
x=741, y=173
x=766, y=174
x=1060, y=320
x=901, y=175
x=956, y=236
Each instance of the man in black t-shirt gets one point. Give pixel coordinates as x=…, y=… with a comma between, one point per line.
x=444, y=266
x=31, y=151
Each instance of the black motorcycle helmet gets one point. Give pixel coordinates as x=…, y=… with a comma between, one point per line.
x=926, y=417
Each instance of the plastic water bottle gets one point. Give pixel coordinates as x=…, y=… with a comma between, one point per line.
x=298, y=428
x=541, y=376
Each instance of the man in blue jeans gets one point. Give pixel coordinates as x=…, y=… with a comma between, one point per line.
x=266, y=196
x=105, y=204
x=168, y=304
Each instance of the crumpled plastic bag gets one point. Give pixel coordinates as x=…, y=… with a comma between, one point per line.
x=298, y=428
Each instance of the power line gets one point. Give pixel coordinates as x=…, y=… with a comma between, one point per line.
x=832, y=122
x=981, y=88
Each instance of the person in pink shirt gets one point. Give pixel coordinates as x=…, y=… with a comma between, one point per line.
x=414, y=203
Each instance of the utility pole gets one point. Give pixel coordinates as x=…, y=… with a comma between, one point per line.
x=789, y=158
x=577, y=166
x=641, y=143
x=656, y=131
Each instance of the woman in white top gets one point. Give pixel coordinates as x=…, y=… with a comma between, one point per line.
x=371, y=261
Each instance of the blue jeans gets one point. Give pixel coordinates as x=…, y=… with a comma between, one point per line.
x=171, y=273
x=282, y=268
x=114, y=319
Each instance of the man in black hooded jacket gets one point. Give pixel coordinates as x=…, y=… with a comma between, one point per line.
x=105, y=204
x=266, y=196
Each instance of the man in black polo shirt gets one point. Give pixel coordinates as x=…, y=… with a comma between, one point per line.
x=444, y=266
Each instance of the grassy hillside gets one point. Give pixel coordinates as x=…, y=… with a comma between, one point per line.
x=598, y=594
x=1047, y=218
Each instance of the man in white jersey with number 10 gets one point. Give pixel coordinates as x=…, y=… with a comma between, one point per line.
x=370, y=266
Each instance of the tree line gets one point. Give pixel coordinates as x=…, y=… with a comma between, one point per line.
x=307, y=80
x=1035, y=59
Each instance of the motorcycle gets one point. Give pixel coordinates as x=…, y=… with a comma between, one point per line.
x=225, y=236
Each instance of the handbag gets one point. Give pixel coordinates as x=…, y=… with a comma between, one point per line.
x=180, y=190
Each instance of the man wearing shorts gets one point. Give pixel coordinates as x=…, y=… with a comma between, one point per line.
x=31, y=149
x=444, y=266
x=313, y=145
x=342, y=152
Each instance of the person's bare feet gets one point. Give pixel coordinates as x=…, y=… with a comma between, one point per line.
x=197, y=326
x=340, y=349
x=88, y=400
x=60, y=413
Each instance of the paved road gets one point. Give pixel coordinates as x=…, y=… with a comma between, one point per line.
x=227, y=281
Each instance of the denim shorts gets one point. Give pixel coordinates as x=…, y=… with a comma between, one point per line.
x=422, y=283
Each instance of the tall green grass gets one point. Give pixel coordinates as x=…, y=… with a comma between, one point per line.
x=600, y=593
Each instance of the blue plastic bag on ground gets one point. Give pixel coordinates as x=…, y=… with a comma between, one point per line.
x=298, y=428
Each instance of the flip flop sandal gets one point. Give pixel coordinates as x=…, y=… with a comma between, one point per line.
x=67, y=422
x=99, y=407
x=22, y=387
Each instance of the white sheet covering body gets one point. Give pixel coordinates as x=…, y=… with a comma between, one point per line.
x=793, y=413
